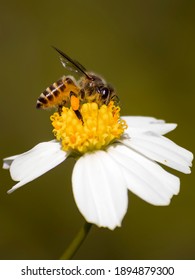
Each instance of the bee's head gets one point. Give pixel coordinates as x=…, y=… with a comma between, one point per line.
x=105, y=91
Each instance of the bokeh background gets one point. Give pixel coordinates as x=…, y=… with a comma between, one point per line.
x=146, y=50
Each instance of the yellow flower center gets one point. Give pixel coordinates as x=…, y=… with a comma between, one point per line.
x=98, y=128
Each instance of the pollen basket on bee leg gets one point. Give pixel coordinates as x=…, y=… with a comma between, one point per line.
x=74, y=101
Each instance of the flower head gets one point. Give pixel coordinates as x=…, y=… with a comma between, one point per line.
x=113, y=155
x=97, y=129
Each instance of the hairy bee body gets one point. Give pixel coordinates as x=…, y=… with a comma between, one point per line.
x=67, y=91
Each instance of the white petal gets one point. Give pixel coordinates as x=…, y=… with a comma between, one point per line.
x=138, y=121
x=37, y=161
x=142, y=124
x=161, y=149
x=8, y=161
x=99, y=189
x=144, y=177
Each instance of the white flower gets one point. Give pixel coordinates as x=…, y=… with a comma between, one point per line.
x=102, y=176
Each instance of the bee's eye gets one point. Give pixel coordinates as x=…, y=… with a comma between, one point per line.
x=105, y=92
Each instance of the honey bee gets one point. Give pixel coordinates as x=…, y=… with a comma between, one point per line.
x=69, y=92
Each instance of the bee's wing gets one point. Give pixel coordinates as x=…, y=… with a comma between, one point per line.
x=71, y=65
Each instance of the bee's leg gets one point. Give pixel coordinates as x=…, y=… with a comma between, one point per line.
x=75, y=104
x=60, y=109
x=78, y=114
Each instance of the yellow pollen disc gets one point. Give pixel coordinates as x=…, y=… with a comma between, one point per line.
x=99, y=127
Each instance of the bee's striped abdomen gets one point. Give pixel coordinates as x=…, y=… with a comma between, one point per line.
x=52, y=96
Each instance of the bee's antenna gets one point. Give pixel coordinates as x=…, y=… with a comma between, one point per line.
x=76, y=64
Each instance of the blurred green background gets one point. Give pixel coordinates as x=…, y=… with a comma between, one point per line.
x=146, y=50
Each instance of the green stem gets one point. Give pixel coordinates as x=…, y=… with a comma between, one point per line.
x=77, y=241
